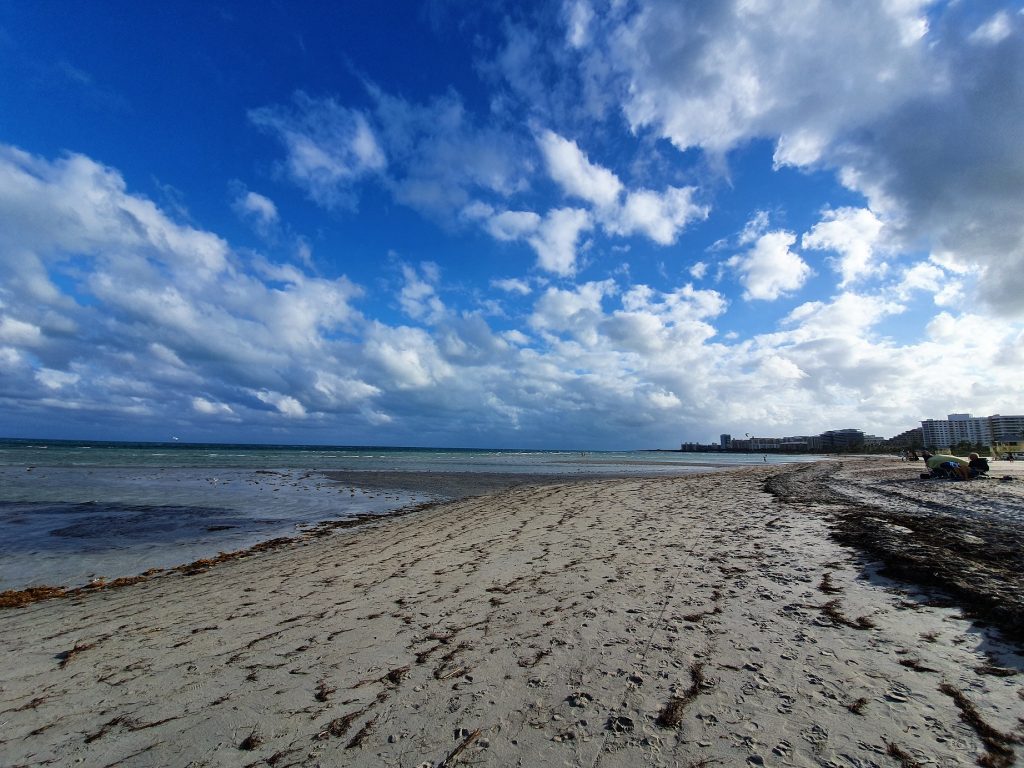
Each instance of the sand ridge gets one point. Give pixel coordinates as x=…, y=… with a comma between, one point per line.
x=671, y=621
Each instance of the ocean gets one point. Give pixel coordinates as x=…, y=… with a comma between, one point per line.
x=73, y=512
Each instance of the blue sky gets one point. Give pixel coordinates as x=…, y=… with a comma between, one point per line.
x=569, y=224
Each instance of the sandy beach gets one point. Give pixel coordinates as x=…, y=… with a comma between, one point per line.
x=747, y=617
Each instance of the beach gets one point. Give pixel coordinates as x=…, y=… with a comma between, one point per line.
x=830, y=614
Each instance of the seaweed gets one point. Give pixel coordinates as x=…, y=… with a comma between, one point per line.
x=671, y=715
x=998, y=752
x=452, y=757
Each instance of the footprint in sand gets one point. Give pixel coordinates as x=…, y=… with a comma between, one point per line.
x=782, y=749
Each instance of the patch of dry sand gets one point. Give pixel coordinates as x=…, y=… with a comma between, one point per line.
x=673, y=621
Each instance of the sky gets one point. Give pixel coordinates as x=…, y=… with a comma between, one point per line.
x=579, y=224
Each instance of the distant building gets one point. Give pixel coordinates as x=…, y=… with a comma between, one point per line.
x=836, y=440
x=725, y=441
x=976, y=430
x=1007, y=429
x=699, y=447
x=912, y=438
x=764, y=443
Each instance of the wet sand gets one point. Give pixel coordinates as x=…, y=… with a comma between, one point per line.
x=713, y=619
x=453, y=485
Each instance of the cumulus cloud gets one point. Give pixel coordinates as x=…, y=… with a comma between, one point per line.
x=716, y=75
x=442, y=156
x=658, y=216
x=167, y=304
x=52, y=379
x=260, y=343
x=557, y=237
x=328, y=146
x=996, y=29
x=910, y=104
x=112, y=305
x=256, y=208
x=854, y=233
x=577, y=311
x=210, y=408
x=407, y=357
x=513, y=225
x=513, y=285
x=286, y=405
x=574, y=172
x=770, y=269
x=418, y=297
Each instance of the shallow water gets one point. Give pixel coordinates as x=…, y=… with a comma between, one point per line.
x=70, y=525
x=72, y=512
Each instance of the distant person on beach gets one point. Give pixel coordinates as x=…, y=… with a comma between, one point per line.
x=977, y=465
x=946, y=466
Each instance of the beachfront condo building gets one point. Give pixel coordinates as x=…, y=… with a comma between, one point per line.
x=976, y=430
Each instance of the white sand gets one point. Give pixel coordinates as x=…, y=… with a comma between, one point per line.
x=541, y=626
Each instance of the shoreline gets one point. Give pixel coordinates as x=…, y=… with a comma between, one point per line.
x=444, y=487
x=663, y=620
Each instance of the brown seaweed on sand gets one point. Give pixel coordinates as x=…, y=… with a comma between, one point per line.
x=66, y=656
x=978, y=562
x=857, y=707
x=998, y=752
x=16, y=598
x=902, y=756
x=453, y=756
x=831, y=609
x=671, y=715
x=252, y=741
x=363, y=732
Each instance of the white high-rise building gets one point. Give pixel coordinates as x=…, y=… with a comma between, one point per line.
x=961, y=427
x=1007, y=429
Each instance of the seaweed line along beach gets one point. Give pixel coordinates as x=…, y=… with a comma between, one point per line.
x=765, y=615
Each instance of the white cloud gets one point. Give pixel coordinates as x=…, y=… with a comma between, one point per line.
x=513, y=285
x=576, y=311
x=418, y=297
x=698, y=270
x=874, y=92
x=257, y=208
x=52, y=379
x=996, y=29
x=441, y=157
x=513, y=225
x=855, y=234
x=716, y=75
x=557, y=237
x=923, y=276
x=343, y=390
x=658, y=216
x=770, y=269
x=210, y=408
x=579, y=18
x=286, y=405
x=754, y=228
x=574, y=172
x=943, y=328
x=328, y=147
x=407, y=357
x=20, y=333
x=168, y=305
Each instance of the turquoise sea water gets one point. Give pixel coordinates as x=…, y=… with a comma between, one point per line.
x=104, y=454
x=71, y=512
